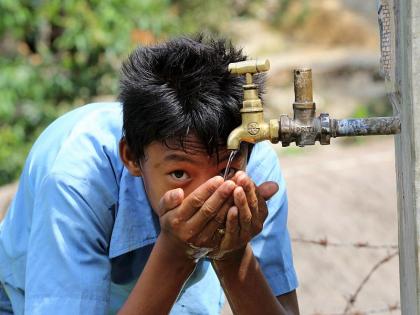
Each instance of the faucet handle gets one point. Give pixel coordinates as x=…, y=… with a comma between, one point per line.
x=249, y=66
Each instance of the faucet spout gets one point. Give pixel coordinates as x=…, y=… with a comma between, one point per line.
x=253, y=129
x=236, y=137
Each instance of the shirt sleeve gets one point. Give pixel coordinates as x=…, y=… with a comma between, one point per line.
x=272, y=246
x=68, y=269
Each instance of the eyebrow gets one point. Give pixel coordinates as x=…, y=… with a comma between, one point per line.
x=180, y=158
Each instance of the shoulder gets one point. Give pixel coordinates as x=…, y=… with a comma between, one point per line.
x=263, y=163
x=96, y=119
x=80, y=145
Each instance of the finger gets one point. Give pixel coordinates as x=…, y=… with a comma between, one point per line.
x=170, y=200
x=262, y=213
x=219, y=220
x=268, y=189
x=211, y=207
x=199, y=196
x=249, y=188
x=235, y=176
x=244, y=212
x=232, y=228
x=210, y=237
x=238, y=175
x=230, y=235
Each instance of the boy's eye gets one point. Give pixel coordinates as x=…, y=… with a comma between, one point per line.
x=230, y=173
x=179, y=175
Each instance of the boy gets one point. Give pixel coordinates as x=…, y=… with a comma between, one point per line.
x=121, y=206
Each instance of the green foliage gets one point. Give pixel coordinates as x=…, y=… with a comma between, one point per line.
x=210, y=16
x=378, y=107
x=56, y=54
x=283, y=17
x=283, y=14
x=77, y=45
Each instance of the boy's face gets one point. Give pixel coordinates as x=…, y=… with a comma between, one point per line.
x=169, y=167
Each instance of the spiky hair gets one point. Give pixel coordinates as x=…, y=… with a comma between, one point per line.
x=181, y=87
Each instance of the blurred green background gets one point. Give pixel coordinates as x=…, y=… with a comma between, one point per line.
x=56, y=54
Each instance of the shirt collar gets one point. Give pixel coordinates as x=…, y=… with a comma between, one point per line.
x=136, y=225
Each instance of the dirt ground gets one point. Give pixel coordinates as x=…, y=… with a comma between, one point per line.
x=345, y=195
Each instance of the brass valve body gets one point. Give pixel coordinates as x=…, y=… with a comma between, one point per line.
x=304, y=128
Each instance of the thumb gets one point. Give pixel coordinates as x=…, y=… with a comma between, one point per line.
x=170, y=200
x=268, y=189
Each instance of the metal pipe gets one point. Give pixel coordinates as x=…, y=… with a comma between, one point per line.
x=365, y=126
x=304, y=128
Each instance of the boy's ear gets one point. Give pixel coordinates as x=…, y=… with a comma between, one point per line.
x=128, y=159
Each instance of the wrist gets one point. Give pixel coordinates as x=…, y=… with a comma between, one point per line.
x=181, y=250
x=174, y=248
x=233, y=257
x=237, y=266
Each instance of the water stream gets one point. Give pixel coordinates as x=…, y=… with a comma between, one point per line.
x=231, y=157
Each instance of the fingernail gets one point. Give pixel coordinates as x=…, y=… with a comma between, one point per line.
x=239, y=189
x=228, y=187
x=241, y=176
x=175, y=194
x=230, y=184
x=239, y=193
x=240, y=173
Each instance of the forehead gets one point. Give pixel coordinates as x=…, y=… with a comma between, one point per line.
x=190, y=150
x=192, y=145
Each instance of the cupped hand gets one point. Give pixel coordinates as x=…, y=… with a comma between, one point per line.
x=245, y=219
x=192, y=221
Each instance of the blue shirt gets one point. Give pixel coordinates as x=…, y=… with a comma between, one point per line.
x=80, y=228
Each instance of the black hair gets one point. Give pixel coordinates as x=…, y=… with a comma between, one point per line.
x=178, y=88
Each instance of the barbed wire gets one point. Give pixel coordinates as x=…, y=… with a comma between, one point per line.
x=353, y=297
x=387, y=309
x=325, y=243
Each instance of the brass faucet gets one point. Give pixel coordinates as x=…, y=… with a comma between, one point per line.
x=253, y=128
x=304, y=128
